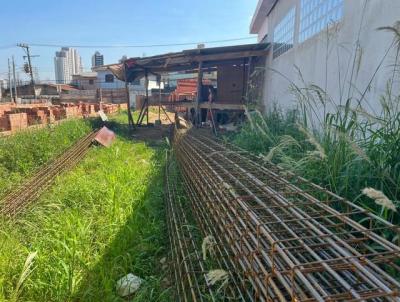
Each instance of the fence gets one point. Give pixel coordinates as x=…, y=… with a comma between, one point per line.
x=116, y=96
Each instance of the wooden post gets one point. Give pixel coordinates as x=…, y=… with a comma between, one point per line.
x=199, y=94
x=130, y=118
x=100, y=98
x=159, y=99
x=248, y=80
x=147, y=96
x=244, y=88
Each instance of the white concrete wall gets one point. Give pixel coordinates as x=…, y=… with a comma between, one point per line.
x=263, y=30
x=327, y=58
x=101, y=81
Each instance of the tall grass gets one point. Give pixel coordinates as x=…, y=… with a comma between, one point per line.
x=99, y=222
x=340, y=144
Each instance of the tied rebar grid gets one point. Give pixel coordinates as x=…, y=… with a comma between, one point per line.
x=189, y=269
x=283, y=238
x=27, y=192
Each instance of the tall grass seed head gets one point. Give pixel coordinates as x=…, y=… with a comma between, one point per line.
x=380, y=198
x=208, y=246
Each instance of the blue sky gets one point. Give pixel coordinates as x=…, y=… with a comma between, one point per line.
x=117, y=22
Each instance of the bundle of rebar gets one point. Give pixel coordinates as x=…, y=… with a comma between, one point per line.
x=186, y=261
x=29, y=190
x=281, y=237
x=190, y=267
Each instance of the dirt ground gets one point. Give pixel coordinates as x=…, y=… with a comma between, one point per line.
x=153, y=116
x=155, y=133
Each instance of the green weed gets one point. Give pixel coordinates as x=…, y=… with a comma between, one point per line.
x=343, y=144
x=99, y=222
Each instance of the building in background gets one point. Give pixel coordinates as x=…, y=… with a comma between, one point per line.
x=107, y=80
x=97, y=59
x=2, y=87
x=67, y=62
x=333, y=44
x=85, y=80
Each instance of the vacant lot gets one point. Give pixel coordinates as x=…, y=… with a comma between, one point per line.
x=100, y=221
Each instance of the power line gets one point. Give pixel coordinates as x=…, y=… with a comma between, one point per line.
x=8, y=46
x=141, y=46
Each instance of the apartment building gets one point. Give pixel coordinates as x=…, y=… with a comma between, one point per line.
x=67, y=62
x=97, y=59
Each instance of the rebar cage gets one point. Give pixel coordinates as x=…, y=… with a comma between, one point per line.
x=280, y=237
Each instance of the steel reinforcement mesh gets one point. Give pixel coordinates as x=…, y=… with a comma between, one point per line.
x=278, y=236
x=30, y=189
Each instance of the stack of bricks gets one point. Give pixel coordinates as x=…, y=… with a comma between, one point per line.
x=89, y=109
x=16, y=117
x=58, y=113
x=71, y=112
x=36, y=116
x=4, y=126
x=110, y=108
x=186, y=89
x=17, y=121
x=6, y=108
x=123, y=106
x=49, y=113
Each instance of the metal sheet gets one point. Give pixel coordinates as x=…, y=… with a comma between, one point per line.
x=105, y=137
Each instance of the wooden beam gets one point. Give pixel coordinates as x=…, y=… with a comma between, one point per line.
x=248, y=80
x=203, y=105
x=146, y=81
x=189, y=61
x=220, y=56
x=199, y=93
x=130, y=117
x=222, y=106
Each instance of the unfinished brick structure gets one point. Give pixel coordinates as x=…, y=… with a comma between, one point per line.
x=17, y=117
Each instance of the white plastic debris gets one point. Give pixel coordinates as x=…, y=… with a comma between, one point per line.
x=228, y=127
x=103, y=116
x=128, y=285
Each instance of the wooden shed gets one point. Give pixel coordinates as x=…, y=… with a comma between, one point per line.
x=233, y=65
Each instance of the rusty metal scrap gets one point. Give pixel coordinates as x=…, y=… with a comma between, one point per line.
x=281, y=237
x=105, y=137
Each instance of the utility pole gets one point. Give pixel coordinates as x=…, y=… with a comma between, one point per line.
x=25, y=47
x=15, y=81
x=9, y=80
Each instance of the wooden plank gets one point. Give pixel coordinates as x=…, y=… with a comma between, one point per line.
x=203, y=105
x=219, y=57
x=221, y=106
x=199, y=90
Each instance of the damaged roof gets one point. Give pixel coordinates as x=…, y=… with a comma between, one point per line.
x=186, y=60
